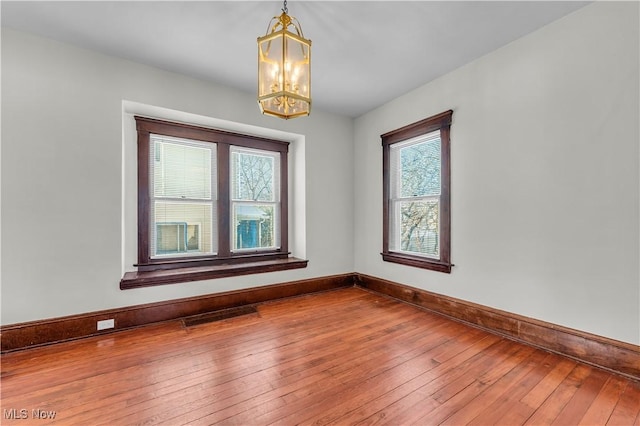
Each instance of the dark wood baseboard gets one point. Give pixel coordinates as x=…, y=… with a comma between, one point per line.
x=619, y=357
x=37, y=333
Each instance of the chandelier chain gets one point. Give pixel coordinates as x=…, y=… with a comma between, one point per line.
x=284, y=9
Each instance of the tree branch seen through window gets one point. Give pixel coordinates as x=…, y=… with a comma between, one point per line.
x=208, y=200
x=416, y=178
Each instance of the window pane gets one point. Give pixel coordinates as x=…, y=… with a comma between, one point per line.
x=173, y=238
x=253, y=175
x=182, y=228
x=254, y=226
x=419, y=173
x=419, y=227
x=181, y=170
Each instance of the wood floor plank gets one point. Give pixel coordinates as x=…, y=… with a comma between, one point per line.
x=507, y=408
x=553, y=405
x=254, y=361
x=604, y=403
x=350, y=398
x=467, y=345
x=411, y=407
x=504, y=387
x=536, y=396
x=222, y=375
x=583, y=398
x=627, y=409
x=346, y=356
x=353, y=368
x=255, y=393
x=451, y=404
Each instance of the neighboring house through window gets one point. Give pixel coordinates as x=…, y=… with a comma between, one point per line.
x=211, y=200
x=416, y=176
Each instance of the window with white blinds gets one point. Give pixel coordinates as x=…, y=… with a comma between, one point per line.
x=208, y=197
x=183, y=197
x=416, y=192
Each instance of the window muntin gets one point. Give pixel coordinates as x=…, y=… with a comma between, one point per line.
x=416, y=193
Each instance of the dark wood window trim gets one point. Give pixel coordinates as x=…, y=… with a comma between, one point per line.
x=155, y=271
x=441, y=122
x=204, y=272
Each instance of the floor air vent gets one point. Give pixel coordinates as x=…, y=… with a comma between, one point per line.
x=218, y=315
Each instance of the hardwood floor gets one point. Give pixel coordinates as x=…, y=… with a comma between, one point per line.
x=341, y=357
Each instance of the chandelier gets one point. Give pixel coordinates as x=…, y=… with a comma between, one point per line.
x=284, y=68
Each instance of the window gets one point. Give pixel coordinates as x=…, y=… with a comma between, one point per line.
x=255, y=198
x=182, y=194
x=416, y=176
x=210, y=203
x=179, y=237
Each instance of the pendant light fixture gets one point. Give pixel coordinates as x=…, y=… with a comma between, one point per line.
x=284, y=68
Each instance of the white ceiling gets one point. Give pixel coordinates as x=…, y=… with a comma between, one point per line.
x=364, y=53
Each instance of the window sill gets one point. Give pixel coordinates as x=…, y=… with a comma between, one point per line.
x=418, y=262
x=198, y=273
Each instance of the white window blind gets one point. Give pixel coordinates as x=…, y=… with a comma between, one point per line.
x=183, y=197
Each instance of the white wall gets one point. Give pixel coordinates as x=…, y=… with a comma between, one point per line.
x=545, y=158
x=545, y=183
x=62, y=177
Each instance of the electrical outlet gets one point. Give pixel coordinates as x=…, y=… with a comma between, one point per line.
x=103, y=325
